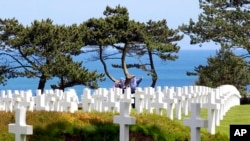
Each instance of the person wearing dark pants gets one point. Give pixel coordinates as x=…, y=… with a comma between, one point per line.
x=133, y=84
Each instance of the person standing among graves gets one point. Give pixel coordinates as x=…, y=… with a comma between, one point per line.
x=116, y=84
x=122, y=84
x=134, y=83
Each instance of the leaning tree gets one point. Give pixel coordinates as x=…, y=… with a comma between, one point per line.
x=131, y=39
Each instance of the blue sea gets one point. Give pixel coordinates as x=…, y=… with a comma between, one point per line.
x=170, y=73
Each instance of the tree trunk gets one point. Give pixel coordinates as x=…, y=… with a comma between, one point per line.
x=153, y=72
x=42, y=83
x=105, y=65
x=62, y=87
x=124, y=65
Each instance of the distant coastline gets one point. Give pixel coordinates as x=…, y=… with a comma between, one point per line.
x=170, y=73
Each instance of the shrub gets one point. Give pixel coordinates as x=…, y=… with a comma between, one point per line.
x=96, y=126
x=245, y=99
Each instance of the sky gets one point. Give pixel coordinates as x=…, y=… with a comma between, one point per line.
x=176, y=12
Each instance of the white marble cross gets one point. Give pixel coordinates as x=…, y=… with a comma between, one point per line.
x=126, y=97
x=110, y=104
x=9, y=101
x=39, y=100
x=139, y=100
x=195, y=122
x=186, y=101
x=124, y=120
x=211, y=107
x=87, y=100
x=158, y=104
x=170, y=100
x=148, y=97
x=20, y=129
x=180, y=98
x=2, y=102
x=27, y=101
x=68, y=104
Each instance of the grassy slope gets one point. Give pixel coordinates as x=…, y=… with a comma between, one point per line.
x=236, y=115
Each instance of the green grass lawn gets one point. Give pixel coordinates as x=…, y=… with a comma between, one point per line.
x=236, y=115
x=84, y=125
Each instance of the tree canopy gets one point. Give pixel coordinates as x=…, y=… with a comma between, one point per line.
x=131, y=39
x=222, y=22
x=44, y=50
x=227, y=24
x=223, y=68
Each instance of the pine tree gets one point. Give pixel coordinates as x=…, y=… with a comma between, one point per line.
x=223, y=68
x=44, y=50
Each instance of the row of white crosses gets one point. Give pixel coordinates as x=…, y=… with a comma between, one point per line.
x=11, y=100
x=107, y=100
x=20, y=129
x=217, y=101
x=51, y=100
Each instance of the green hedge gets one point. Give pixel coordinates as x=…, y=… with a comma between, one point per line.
x=95, y=126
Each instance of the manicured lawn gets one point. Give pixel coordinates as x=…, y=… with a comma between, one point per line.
x=236, y=115
x=84, y=125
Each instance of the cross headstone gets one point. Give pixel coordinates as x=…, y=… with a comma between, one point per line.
x=195, y=122
x=99, y=97
x=193, y=95
x=148, y=97
x=87, y=100
x=28, y=101
x=139, y=100
x=211, y=107
x=68, y=104
x=118, y=94
x=127, y=98
x=20, y=129
x=110, y=105
x=158, y=104
x=124, y=120
x=180, y=98
x=17, y=98
x=39, y=100
x=59, y=95
x=186, y=101
x=220, y=100
x=2, y=100
x=9, y=101
x=170, y=100
x=50, y=100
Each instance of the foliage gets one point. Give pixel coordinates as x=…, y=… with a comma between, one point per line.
x=223, y=68
x=226, y=23
x=44, y=50
x=160, y=41
x=130, y=38
x=245, y=99
x=99, y=126
x=220, y=22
